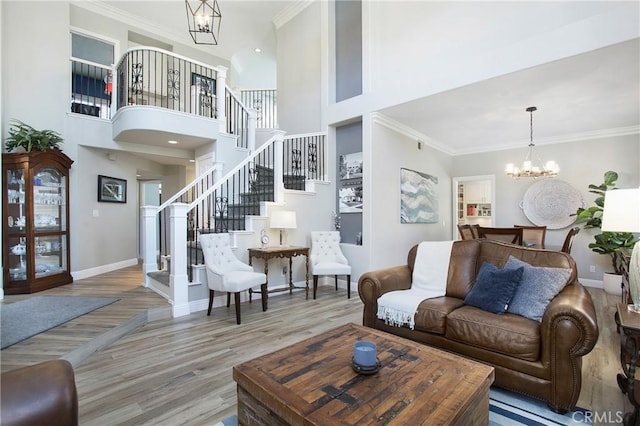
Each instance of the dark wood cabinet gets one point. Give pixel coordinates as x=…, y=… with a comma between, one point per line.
x=35, y=224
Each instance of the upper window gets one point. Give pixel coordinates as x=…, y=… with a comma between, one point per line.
x=91, y=49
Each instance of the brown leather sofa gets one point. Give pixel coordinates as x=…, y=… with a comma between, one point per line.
x=40, y=394
x=542, y=360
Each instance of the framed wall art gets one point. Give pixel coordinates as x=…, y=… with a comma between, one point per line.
x=350, y=190
x=418, y=197
x=112, y=190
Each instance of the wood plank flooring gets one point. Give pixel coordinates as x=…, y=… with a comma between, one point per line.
x=178, y=371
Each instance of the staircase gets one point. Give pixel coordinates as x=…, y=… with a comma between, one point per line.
x=261, y=189
x=230, y=203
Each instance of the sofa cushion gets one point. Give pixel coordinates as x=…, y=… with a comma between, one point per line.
x=539, y=285
x=507, y=334
x=431, y=315
x=494, y=288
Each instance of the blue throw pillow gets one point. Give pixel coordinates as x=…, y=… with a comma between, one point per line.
x=494, y=288
x=538, y=287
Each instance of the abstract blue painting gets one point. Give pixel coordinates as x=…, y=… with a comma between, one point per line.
x=418, y=197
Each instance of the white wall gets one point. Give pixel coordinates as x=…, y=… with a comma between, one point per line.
x=581, y=163
x=299, y=72
x=391, y=240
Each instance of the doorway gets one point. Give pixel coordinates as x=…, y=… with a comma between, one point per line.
x=473, y=201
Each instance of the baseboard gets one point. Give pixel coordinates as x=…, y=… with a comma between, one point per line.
x=87, y=273
x=591, y=283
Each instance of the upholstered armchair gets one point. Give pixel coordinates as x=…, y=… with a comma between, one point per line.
x=326, y=258
x=226, y=273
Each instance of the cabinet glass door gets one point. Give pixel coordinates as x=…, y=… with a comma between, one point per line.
x=16, y=225
x=49, y=221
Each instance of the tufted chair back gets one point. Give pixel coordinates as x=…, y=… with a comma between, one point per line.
x=325, y=247
x=326, y=258
x=216, y=249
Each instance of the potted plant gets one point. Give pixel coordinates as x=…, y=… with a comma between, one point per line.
x=23, y=136
x=607, y=243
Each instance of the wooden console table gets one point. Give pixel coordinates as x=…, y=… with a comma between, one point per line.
x=280, y=252
x=629, y=326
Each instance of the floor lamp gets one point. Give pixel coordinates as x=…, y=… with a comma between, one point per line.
x=622, y=214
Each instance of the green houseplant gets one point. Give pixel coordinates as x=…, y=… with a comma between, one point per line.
x=23, y=136
x=607, y=243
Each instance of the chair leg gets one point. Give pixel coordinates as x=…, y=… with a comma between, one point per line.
x=228, y=299
x=315, y=286
x=336, y=277
x=237, y=301
x=348, y=286
x=265, y=295
x=210, y=301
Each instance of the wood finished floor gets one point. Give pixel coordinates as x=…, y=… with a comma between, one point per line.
x=178, y=371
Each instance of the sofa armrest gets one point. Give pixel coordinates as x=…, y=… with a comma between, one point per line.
x=43, y=393
x=374, y=284
x=568, y=331
x=572, y=314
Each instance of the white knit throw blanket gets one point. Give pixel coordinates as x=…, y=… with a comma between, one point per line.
x=429, y=280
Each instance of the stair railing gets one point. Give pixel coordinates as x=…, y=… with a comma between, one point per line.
x=305, y=155
x=214, y=203
x=241, y=121
x=265, y=103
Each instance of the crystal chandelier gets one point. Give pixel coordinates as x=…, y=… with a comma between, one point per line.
x=204, y=21
x=529, y=168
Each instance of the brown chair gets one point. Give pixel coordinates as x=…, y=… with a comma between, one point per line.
x=533, y=236
x=468, y=232
x=568, y=240
x=508, y=235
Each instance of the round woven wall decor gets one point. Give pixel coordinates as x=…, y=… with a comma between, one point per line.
x=551, y=202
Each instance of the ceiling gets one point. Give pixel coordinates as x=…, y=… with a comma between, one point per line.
x=584, y=96
x=589, y=95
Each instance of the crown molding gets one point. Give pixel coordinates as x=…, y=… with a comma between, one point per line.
x=290, y=12
x=394, y=125
x=574, y=137
x=409, y=132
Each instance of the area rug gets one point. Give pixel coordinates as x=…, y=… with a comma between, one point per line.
x=509, y=409
x=26, y=318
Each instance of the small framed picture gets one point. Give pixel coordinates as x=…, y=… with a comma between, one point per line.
x=112, y=190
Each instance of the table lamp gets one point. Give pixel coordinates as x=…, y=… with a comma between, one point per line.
x=622, y=214
x=283, y=219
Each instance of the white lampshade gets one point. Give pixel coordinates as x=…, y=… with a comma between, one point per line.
x=622, y=214
x=283, y=219
x=621, y=210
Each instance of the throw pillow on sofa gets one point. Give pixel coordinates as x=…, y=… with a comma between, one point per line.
x=494, y=288
x=538, y=287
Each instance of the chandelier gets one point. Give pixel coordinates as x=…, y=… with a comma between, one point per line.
x=529, y=168
x=204, y=21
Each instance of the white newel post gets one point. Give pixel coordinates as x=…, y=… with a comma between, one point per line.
x=178, y=278
x=149, y=241
x=251, y=129
x=278, y=167
x=221, y=97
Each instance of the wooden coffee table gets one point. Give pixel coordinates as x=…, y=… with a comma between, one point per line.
x=312, y=383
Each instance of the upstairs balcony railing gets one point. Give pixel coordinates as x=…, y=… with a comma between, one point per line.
x=155, y=77
x=89, y=90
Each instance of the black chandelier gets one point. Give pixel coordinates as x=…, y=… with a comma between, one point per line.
x=204, y=21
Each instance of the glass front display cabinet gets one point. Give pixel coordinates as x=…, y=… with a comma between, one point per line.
x=35, y=194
